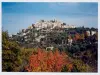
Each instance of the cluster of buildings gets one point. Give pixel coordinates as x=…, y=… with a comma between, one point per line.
x=52, y=24
x=90, y=33
x=41, y=29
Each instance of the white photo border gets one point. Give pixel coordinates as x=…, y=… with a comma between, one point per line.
x=49, y=73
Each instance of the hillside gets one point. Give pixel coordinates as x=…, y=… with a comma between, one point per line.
x=51, y=46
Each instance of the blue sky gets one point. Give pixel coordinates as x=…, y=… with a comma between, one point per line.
x=17, y=16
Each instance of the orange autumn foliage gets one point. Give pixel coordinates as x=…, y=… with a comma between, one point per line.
x=77, y=36
x=48, y=61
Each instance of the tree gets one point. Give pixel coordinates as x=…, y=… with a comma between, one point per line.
x=96, y=35
x=77, y=36
x=69, y=37
x=10, y=54
x=82, y=36
x=42, y=20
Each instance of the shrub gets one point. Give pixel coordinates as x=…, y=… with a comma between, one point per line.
x=48, y=61
x=81, y=66
x=10, y=54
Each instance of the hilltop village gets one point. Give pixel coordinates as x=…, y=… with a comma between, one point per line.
x=51, y=46
x=51, y=33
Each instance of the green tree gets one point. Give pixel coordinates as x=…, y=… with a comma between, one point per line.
x=10, y=54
